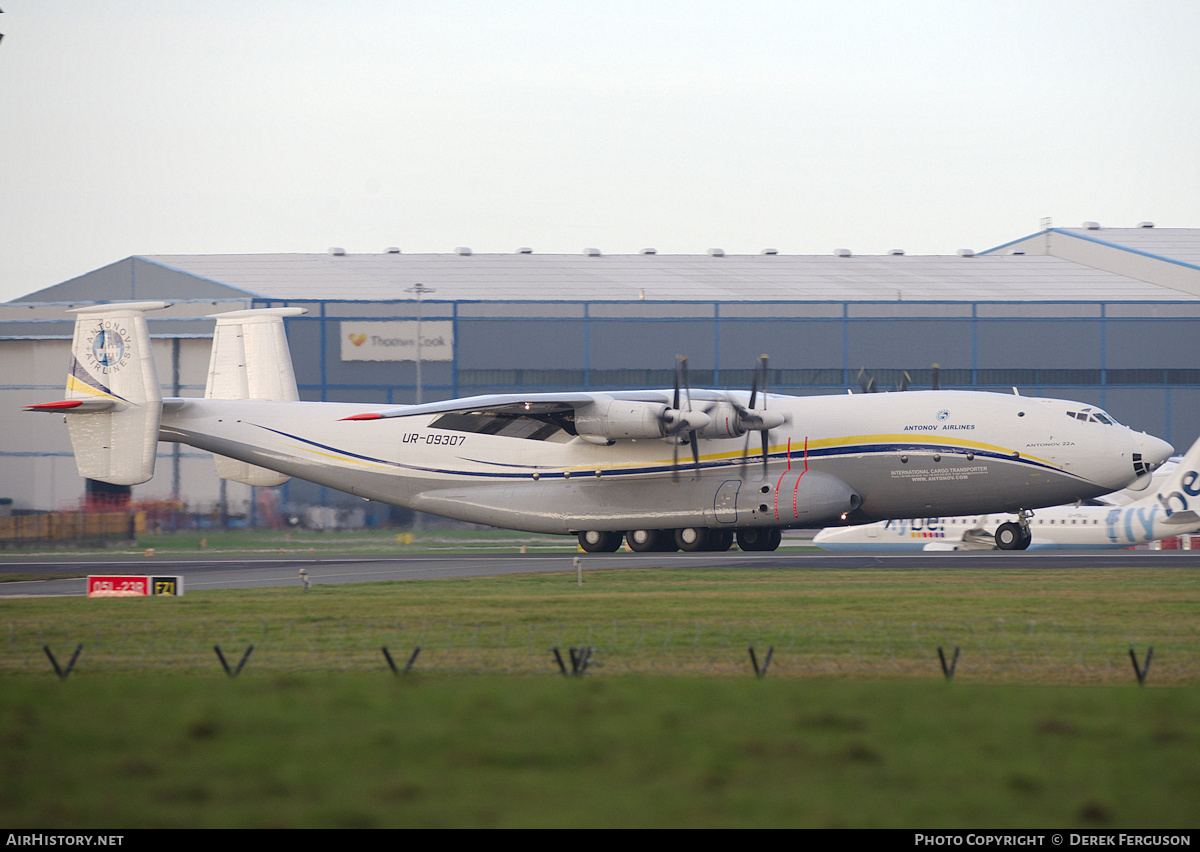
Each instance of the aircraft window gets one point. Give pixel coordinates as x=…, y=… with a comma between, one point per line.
x=490, y=423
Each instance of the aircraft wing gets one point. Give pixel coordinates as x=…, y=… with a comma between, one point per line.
x=531, y=403
x=1185, y=517
x=514, y=403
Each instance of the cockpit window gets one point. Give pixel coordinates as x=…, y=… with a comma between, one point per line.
x=1093, y=415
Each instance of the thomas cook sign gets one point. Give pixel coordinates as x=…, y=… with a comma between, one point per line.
x=397, y=341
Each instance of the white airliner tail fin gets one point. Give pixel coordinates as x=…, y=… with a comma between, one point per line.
x=113, y=400
x=1180, y=491
x=251, y=360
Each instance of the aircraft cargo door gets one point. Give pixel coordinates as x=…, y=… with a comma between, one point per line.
x=725, y=505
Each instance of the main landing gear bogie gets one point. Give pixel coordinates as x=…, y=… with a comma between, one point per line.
x=600, y=541
x=698, y=539
x=759, y=539
x=687, y=539
x=650, y=541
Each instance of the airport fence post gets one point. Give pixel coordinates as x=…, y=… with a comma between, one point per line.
x=579, y=660
x=62, y=673
x=761, y=672
x=225, y=665
x=948, y=671
x=1141, y=671
x=408, y=666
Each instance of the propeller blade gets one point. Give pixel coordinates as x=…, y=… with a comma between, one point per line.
x=675, y=461
x=695, y=450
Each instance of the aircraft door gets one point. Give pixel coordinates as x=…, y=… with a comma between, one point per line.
x=725, y=504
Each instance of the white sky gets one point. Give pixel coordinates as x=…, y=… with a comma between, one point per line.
x=210, y=126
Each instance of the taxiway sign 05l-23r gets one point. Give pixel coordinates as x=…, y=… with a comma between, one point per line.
x=598, y=465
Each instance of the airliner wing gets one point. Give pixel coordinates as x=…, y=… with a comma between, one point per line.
x=1186, y=517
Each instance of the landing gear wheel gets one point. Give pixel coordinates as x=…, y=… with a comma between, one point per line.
x=650, y=541
x=1026, y=540
x=721, y=540
x=1010, y=536
x=599, y=541
x=693, y=539
x=759, y=539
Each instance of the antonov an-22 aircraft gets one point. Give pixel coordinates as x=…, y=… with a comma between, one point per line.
x=602, y=466
x=1170, y=507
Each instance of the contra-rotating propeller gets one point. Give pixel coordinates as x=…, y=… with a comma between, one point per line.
x=676, y=419
x=866, y=381
x=751, y=419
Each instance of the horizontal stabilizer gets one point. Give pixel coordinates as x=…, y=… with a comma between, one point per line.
x=74, y=406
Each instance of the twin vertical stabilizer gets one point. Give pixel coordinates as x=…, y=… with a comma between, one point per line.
x=114, y=401
x=113, y=391
x=250, y=360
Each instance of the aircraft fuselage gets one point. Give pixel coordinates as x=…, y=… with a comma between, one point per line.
x=859, y=458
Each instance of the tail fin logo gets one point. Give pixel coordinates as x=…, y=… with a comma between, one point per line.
x=108, y=350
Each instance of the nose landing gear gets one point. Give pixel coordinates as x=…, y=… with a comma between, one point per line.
x=1015, y=535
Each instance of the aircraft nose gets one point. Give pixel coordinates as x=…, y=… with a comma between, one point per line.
x=1154, y=451
x=1148, y=456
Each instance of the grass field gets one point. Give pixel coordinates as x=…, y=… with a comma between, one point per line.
x=1043, y=725
x=433, y=539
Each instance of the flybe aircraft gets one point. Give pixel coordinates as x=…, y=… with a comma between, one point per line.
x=601, y=466
x=1170, y=507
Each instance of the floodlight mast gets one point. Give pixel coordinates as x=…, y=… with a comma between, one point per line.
x=420, y=290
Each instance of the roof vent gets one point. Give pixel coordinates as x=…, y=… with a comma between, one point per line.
x=769, y=251
x=592, y=252
x=1145, y=224
x=896, y=252
x=841, y=252
x=524, y=250
x=716, y=252
x=337, y=251
x=648, y=251
x=462, y=250
x=1092, y=226
x=391, y=250
x=966, y=252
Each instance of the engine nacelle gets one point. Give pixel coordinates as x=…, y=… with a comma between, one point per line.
x=726, y=422
x=620, y=419
x=730, y=422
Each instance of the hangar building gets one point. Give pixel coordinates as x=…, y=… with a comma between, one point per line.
x=1108, y=316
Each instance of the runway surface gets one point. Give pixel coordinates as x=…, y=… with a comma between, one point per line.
x=243, y=572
